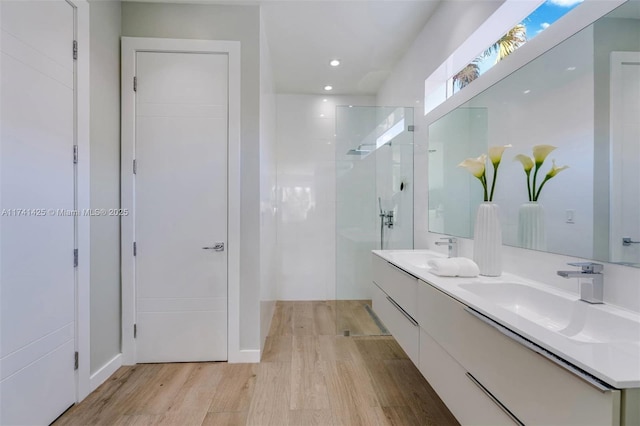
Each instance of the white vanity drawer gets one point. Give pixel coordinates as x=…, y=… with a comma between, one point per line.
x=468, y=403
x=398, y=284
x=534, y=389
x=403, y=328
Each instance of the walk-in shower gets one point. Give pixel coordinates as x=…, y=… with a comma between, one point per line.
x=374, y=209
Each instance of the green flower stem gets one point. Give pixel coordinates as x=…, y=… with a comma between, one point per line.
x=529, y=184
x=540, y=189
x=483, y=179
x=535, y=175
x=493, y=183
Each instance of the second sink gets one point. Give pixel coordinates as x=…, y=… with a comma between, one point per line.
x=563, y=314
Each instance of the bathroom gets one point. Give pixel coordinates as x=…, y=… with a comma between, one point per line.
x=286, y=245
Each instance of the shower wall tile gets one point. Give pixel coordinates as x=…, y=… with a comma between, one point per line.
x=306, y=194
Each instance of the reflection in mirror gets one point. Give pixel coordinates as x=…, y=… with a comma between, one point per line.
x=582, y=97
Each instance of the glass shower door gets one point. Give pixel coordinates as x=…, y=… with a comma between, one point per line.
x=374, y=204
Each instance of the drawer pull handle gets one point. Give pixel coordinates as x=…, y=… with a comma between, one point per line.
x=402, y=311
x=541, y=351
x=494, y=399
x=403, y=271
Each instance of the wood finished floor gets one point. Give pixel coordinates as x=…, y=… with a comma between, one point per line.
x=308, y=376
x=352, y=315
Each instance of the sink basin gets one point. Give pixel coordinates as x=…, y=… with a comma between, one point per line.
x=563, y=314
x=593, y=325
x=545, y=309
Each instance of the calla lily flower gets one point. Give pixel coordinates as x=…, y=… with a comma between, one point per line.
x=475, y=166
x=495, y=153
x=527, y=162
x=555, y=169
x=527, y=165
x=540, y=153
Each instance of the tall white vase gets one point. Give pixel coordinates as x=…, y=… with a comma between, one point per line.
x=487, y=240
x=531, y=230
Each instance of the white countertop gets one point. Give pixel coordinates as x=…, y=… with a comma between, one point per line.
x=616, y=363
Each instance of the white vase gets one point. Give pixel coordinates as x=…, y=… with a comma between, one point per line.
x=487, y=240
x=531, y=230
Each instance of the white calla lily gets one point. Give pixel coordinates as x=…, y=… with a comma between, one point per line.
x=475, y=166
x=540, y=153
x=495, y=153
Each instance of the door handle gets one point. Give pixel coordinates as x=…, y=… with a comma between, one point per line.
x=215, y=247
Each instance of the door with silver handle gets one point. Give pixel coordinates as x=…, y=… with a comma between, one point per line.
x=216, y=247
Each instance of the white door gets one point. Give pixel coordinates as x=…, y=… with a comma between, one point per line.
x=37, y=182
x=625, y=156
x=181, y=206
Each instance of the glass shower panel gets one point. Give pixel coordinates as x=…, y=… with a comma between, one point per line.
x=374, y=204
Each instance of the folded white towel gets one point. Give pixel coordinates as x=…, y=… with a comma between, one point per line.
x=454, y=267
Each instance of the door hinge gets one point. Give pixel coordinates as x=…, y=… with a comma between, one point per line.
x=135, y=330
x=135, y=248
x=75, y=258
x=75, y=154
x=76, y=360
x=135, y=84
x=75, y=50
x=135, y=167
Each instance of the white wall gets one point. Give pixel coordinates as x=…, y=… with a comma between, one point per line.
x=217, y=22
x=105, y=181
x=405, y=86
x=268, y=188
x=306, y=176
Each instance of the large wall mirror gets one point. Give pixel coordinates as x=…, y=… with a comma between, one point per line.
x=583, y=97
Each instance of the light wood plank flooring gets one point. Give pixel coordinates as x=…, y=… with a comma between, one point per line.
x=308, y=376
x=356, y=317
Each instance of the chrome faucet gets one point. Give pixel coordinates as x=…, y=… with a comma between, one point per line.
x=593, y=290
x=386, y=217
x=452, y=243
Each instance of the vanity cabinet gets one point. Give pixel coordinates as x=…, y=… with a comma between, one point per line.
x=484, y=372
x=396, y=283
x=402, y=326
x=467, y=401
x=394, y=298
x=515, y=374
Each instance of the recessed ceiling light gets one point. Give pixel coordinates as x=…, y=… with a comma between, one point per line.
x=324, y=100
x=334, y=62
x=328, y=88
x=321, y=115
x=571, y=68
x=527, y=91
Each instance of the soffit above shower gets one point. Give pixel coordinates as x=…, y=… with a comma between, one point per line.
x=368, y=36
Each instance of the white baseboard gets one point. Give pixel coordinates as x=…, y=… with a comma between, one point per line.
x=101, y=376
x=245, y=356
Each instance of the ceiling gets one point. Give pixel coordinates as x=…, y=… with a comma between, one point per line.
x=368, y=36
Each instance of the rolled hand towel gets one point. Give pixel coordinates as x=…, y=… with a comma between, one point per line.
x=454, y=267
